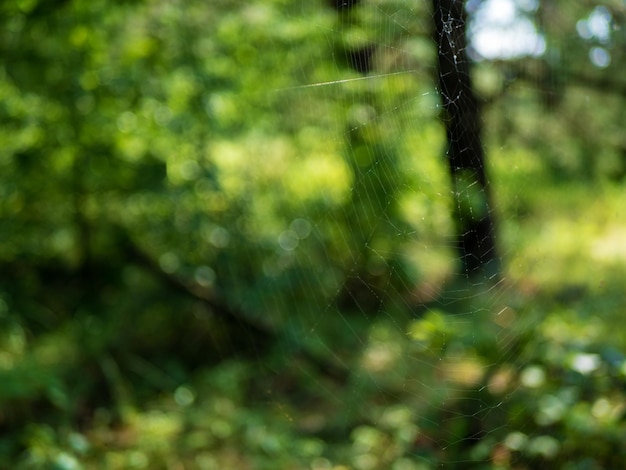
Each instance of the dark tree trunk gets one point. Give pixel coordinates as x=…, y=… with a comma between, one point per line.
x=475, y=225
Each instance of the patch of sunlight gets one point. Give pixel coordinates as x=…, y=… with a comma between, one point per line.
x=544, y=446
x=140, y=47
x=274, y=156
x=611, y=246
x=466, y=372
x=155, y=428
x=608, y=410
x=585, y=363
x=423, y=149
x=551, y=410
x=322, y=175
x=562, y=326
x=556, y=249
x=228, y=155
x=429, y=332
x=270, y=163
x=514, y=163
x=231, y=159
x=380, y=356
x=425, y=213
x=502, y=381
x=565, y=236
x=131, y=147
x=533, y=376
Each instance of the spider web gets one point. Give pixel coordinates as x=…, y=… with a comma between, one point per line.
x=396, y=292
x=427, y=363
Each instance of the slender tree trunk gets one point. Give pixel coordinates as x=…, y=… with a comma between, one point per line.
x=475, y=225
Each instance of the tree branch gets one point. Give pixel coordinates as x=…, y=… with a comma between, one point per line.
x=233, y=317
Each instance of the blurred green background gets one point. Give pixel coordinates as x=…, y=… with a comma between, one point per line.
x=226, y=239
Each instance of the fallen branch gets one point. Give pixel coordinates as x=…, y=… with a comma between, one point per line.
x=256, y=332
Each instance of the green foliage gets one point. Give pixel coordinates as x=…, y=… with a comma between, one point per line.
x=222, y=247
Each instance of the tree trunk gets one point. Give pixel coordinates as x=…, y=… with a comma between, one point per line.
x=475, y=225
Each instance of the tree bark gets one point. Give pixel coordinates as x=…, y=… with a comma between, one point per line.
x=465, y=155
